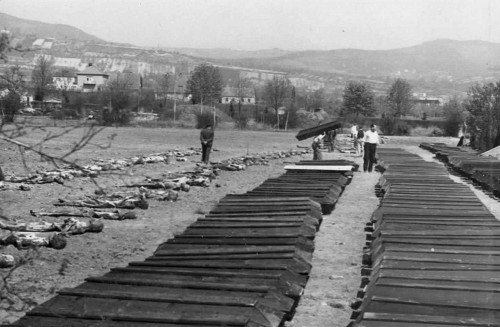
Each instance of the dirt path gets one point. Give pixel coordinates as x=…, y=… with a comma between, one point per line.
x=335, y=276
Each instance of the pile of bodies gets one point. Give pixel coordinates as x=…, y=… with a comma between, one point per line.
x=93, y=169
x=54, y=234
x=36, y=234
x=105, y=205
x=69, y=172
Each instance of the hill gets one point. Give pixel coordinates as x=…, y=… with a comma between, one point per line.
x=440, y=67
x=226, y=53
x=450, y=58
x=19, y=26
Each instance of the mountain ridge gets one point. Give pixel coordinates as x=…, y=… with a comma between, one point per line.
x=44, y=30
x=441, y=63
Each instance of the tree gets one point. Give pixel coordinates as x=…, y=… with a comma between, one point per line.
x=161, y=85
x=4, y=45
x=454, y=117
x=291, y=113
x=399, y=98
x=276, y=92
x=42, y=76
x=358, y=99
x=13, y=82
x=483, y=121
x=205, y=84
x=118, y=97
x=242, y=87
x=317, y=99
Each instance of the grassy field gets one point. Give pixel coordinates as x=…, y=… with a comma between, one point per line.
x=123, y=142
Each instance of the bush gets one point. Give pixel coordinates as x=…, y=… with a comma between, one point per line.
x=387, y=125
x=426, y=131
x=452, y=124
x=65, y=114
x=393, y=126
x=11, y=106
x=115, y=117
x=401, y=128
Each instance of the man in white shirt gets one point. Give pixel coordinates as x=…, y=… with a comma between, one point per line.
x=354, y=130
x=371, y=140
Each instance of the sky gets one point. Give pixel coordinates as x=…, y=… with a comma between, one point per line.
x=264, y=24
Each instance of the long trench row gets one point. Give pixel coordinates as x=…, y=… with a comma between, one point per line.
x=483, y=171
x=245, y=263
x=433, y=255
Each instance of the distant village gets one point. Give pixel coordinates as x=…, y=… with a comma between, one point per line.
x=88, y=67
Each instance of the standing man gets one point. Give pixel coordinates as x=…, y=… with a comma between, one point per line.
x=354, y=130
x=330, y=139
x=206, y=138
x=371, y=140
x=359, y=142
x=317, y=155
x=354, y=135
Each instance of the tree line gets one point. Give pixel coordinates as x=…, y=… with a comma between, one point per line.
x=479, y=112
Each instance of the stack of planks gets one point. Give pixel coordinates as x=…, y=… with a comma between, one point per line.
x=324, y=165
x=245, y=263
x=432, y=258
x=483, y=170
x=322, y=180
x=316, y=130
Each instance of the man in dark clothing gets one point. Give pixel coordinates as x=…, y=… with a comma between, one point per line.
x=206, y=138
x=330, y=139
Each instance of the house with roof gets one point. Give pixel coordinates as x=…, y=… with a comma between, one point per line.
x=91, y=79
x=235, y=95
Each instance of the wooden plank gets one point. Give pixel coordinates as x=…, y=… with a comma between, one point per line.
x=170, y=250
x=196, y=271
x=245, y=224
x=143, y=311
x=395, y=305
x=242, y=241
x=489, y=276
x=270, y=264
x=321, y=168
x=316, y=130
x=233, y=256
x=163, y=294
x=251, y=232
x=38, y=321
x=431, y=265
x=413, y=320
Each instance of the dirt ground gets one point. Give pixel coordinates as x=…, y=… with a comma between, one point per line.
x=337, y=259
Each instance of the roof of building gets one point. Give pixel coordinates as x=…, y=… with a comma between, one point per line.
x=91, y=70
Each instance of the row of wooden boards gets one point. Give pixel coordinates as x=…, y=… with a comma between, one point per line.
x=483, y=170
x=245, y=263
x=433, y=251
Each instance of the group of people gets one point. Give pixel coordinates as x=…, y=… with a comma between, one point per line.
x=365, y=143
x=329, y=140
